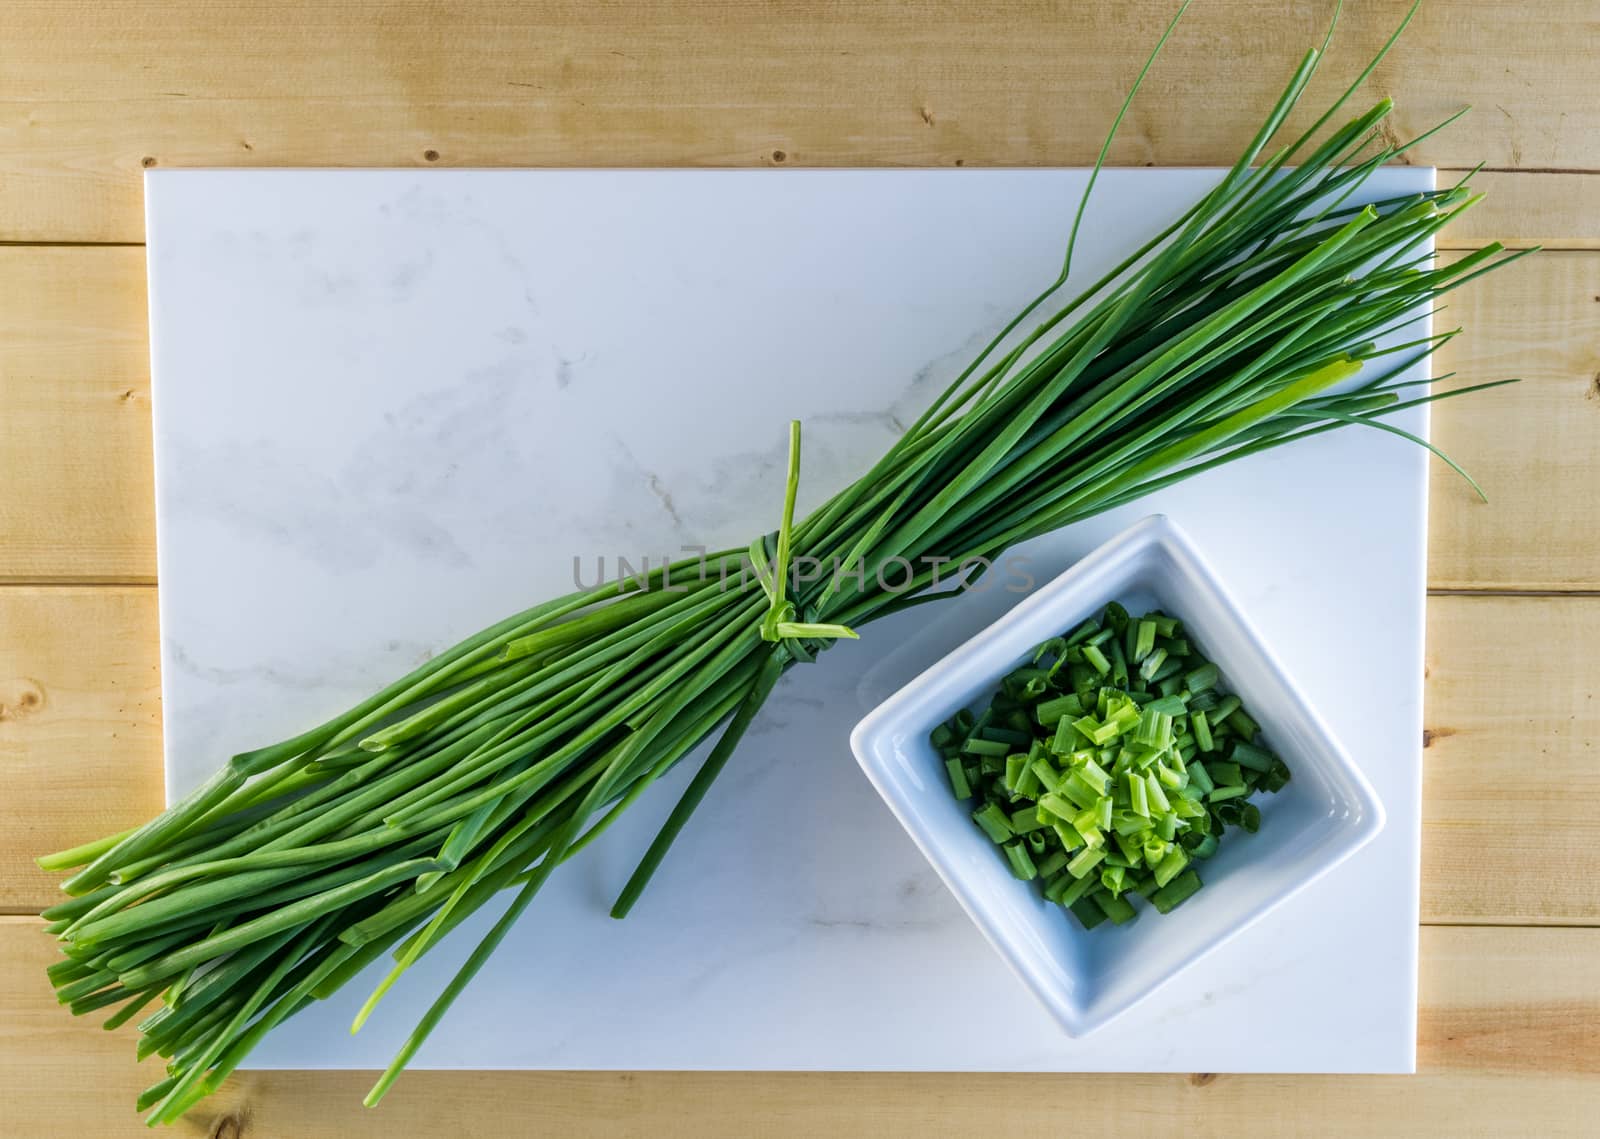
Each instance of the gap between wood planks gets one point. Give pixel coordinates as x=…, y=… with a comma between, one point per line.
x=18, y=914
x=69, y=582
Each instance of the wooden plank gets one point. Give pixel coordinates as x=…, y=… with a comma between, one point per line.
x=80, y=726
x=1533, y=446
x=94, y=92
x=75, y=451
x=1509, y=1035
x=1512, y=717
x=76, y=499
x=1557, y=211
x=1512, y=765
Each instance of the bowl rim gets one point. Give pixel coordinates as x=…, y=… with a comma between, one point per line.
x=872, y=742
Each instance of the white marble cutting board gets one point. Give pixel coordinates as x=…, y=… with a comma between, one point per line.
x=392, y=406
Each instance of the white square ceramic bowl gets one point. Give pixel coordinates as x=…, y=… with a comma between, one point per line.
x=1085, y=977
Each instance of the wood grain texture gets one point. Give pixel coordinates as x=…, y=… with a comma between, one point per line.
x=1512, y=716
x=1557, y=211
x=1511, y=789
x=1533, y=446
x=80, y=725
x=75, y=437
x=76, y=497
x=94, y=92
x=1510, y=1032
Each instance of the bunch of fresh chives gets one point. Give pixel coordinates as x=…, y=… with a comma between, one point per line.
x=298, y=865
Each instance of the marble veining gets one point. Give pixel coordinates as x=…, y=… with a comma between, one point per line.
x=392, y=406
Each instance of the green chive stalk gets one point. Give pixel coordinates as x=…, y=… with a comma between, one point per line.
x=1241, y=327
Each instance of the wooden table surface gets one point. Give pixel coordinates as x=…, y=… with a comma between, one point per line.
x=93, y=91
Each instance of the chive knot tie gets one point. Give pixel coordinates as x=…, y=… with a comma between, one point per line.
x=783, y=623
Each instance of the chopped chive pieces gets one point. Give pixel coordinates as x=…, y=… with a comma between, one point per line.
x=1095, y=775
x=1058, y=807
x=1154, y=851
x=958, y=779
x=1250, y=818
x=1025, y=683
x=1085, y=910
x=1119, y=665
x=1070, y=838
x=1086, y=766
x=1080, y=790
x=993, y=821
x=1049, y=711
x=1187, y=806
x=1094, y=731
x=1156, y=795
x=1145, y=638
x=1065, y=738
x=1248, y=755
x=1076, y=888
x=1129, y=847
x=1176, y=892
x=1138, y=800
x=1054, y=647
x=1170, y=667
x=1085, y=861
x=1087, y=824
x=1170, y=867
x=1225, y=774
x=1025, y=819
x=1084, y=631
x=1243, y=724
x=1052, y=864
x=1014, y=765
x=1049, y=778
x=1021, y=862
x=1128, y=823
x=1202, y=678
x=1116, y=908
x=1168, y=705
